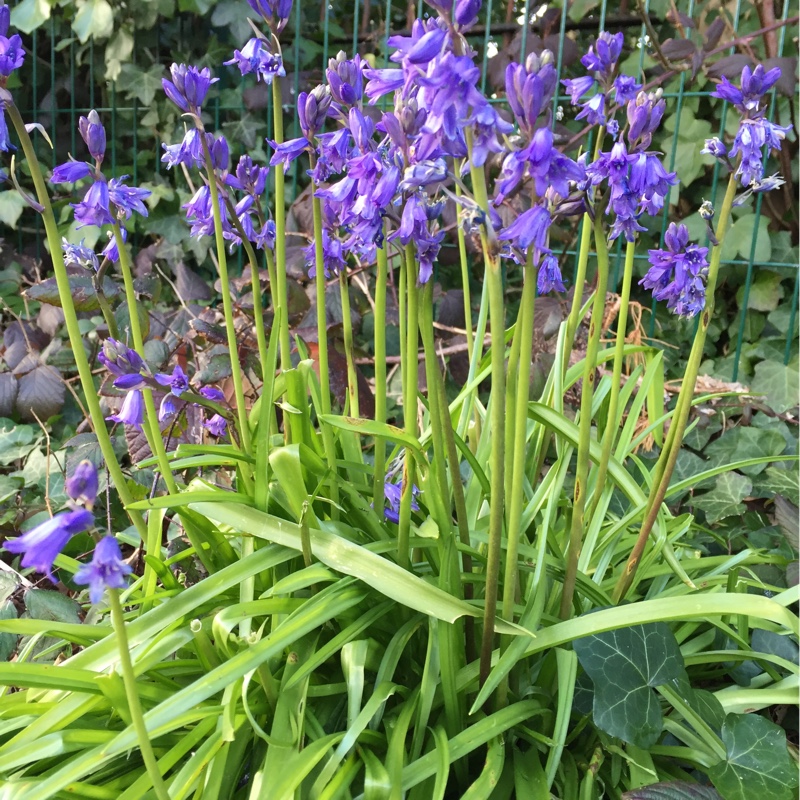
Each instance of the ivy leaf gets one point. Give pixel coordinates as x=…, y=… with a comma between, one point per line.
x=765, y=292
x=778, y=383
x=624, y=666
x=778, y=481
x=674, y=790
x=745, y=442
x=29, y=15
x=16, y=442
x=757, y=763
x=725, y=500
x=95, y=18
x=739, y=240
x=118, y=51
x=11, y=207
x=140, y=84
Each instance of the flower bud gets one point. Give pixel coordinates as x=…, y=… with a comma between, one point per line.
x=466, y=13
x=82, y=485
x=94, y=134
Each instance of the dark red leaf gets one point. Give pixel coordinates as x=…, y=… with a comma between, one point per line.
x=729, y=66
x=713, y=34
x=678, y=49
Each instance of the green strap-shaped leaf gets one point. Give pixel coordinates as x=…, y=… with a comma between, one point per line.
x=675, y=790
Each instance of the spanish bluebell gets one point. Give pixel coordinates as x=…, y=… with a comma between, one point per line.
x=255, y=58
x=188, y=87
x=82, y=485
x=106, y=570
x=79, y=255
x=132, y=410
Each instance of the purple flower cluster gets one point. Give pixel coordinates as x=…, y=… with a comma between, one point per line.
x=106, y=201
x=601, y=63
x=678, y=273
x=636, y=176
x=41, y=545
x=132, y=375
x=755, y=131
x=12, y=56
x=255, y=58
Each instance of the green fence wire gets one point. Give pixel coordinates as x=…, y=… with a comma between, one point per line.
x=61, y=89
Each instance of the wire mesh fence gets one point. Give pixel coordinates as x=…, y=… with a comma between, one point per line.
x=67, y=77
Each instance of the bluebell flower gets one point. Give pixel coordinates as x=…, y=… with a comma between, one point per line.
x=5, y=19
x=127, y=199
x=106, y=570
x=220, y=154
x=275, y=12
x=381, y=82
x=423, y=173
x=529, y=229
x=751, y=138
x=178, y=381
x=466, y=13
x=265, y=238
x=5, y=140
x=120, y=360
x=593, y=110
x=94, y=134
x=94, y=208
x=12, y=54
x=132, y=411
x=248, y=177
x=644, y=115
x=213, y=394
x=392, y=492
x=255, y=58
x=110, y=251
x=312, y=109
x=287, y=152
x=42, y=544
x=578, y=87
x=549, y=277
x=626, y=88
x=428, y=39
x=70, y=172
x=333, y=256
x=216, y=426
x=487, y=126
x=188, y=87
x=604, y=53
x=714, y=147
x=188, y=151
x=346, y=78
x=754, y=85
x=168, y=407
x=678, y=273
x=78, y=255
x=82, y=485
x=448, y=92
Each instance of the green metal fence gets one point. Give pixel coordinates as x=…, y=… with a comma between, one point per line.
x=66, y=80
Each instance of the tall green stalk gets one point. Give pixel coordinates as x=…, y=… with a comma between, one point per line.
x=153, y=433
x=585, y=429
x=516, y=496
x=132, y=695
x=91, y=396
x=464, y=261
x=282, y=298
x=227, y=305
x=497, y=321
x=410, y=391
x=610, y=432
x=669, y=454
x=347, y=329
x=322, y=316
x=379, y=471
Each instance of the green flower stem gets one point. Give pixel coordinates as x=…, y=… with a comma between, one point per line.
x=669, y=454
x=134, y=706
x=282, y=299
x=580, y=277
x=516, y=497
x=410, y=391
x=519, y=450
x=105, y=306
x=227, y=306
x=494, y=282
x=153, y=432
x=432, y=376
x=322, y=317
x=613, y=401
x=261, y=487
x=585, y=429
x=71, y=321
x=347, y=329
x=381, y=281
x=464, y=261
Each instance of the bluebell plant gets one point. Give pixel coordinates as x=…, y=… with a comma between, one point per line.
x=381, y=183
